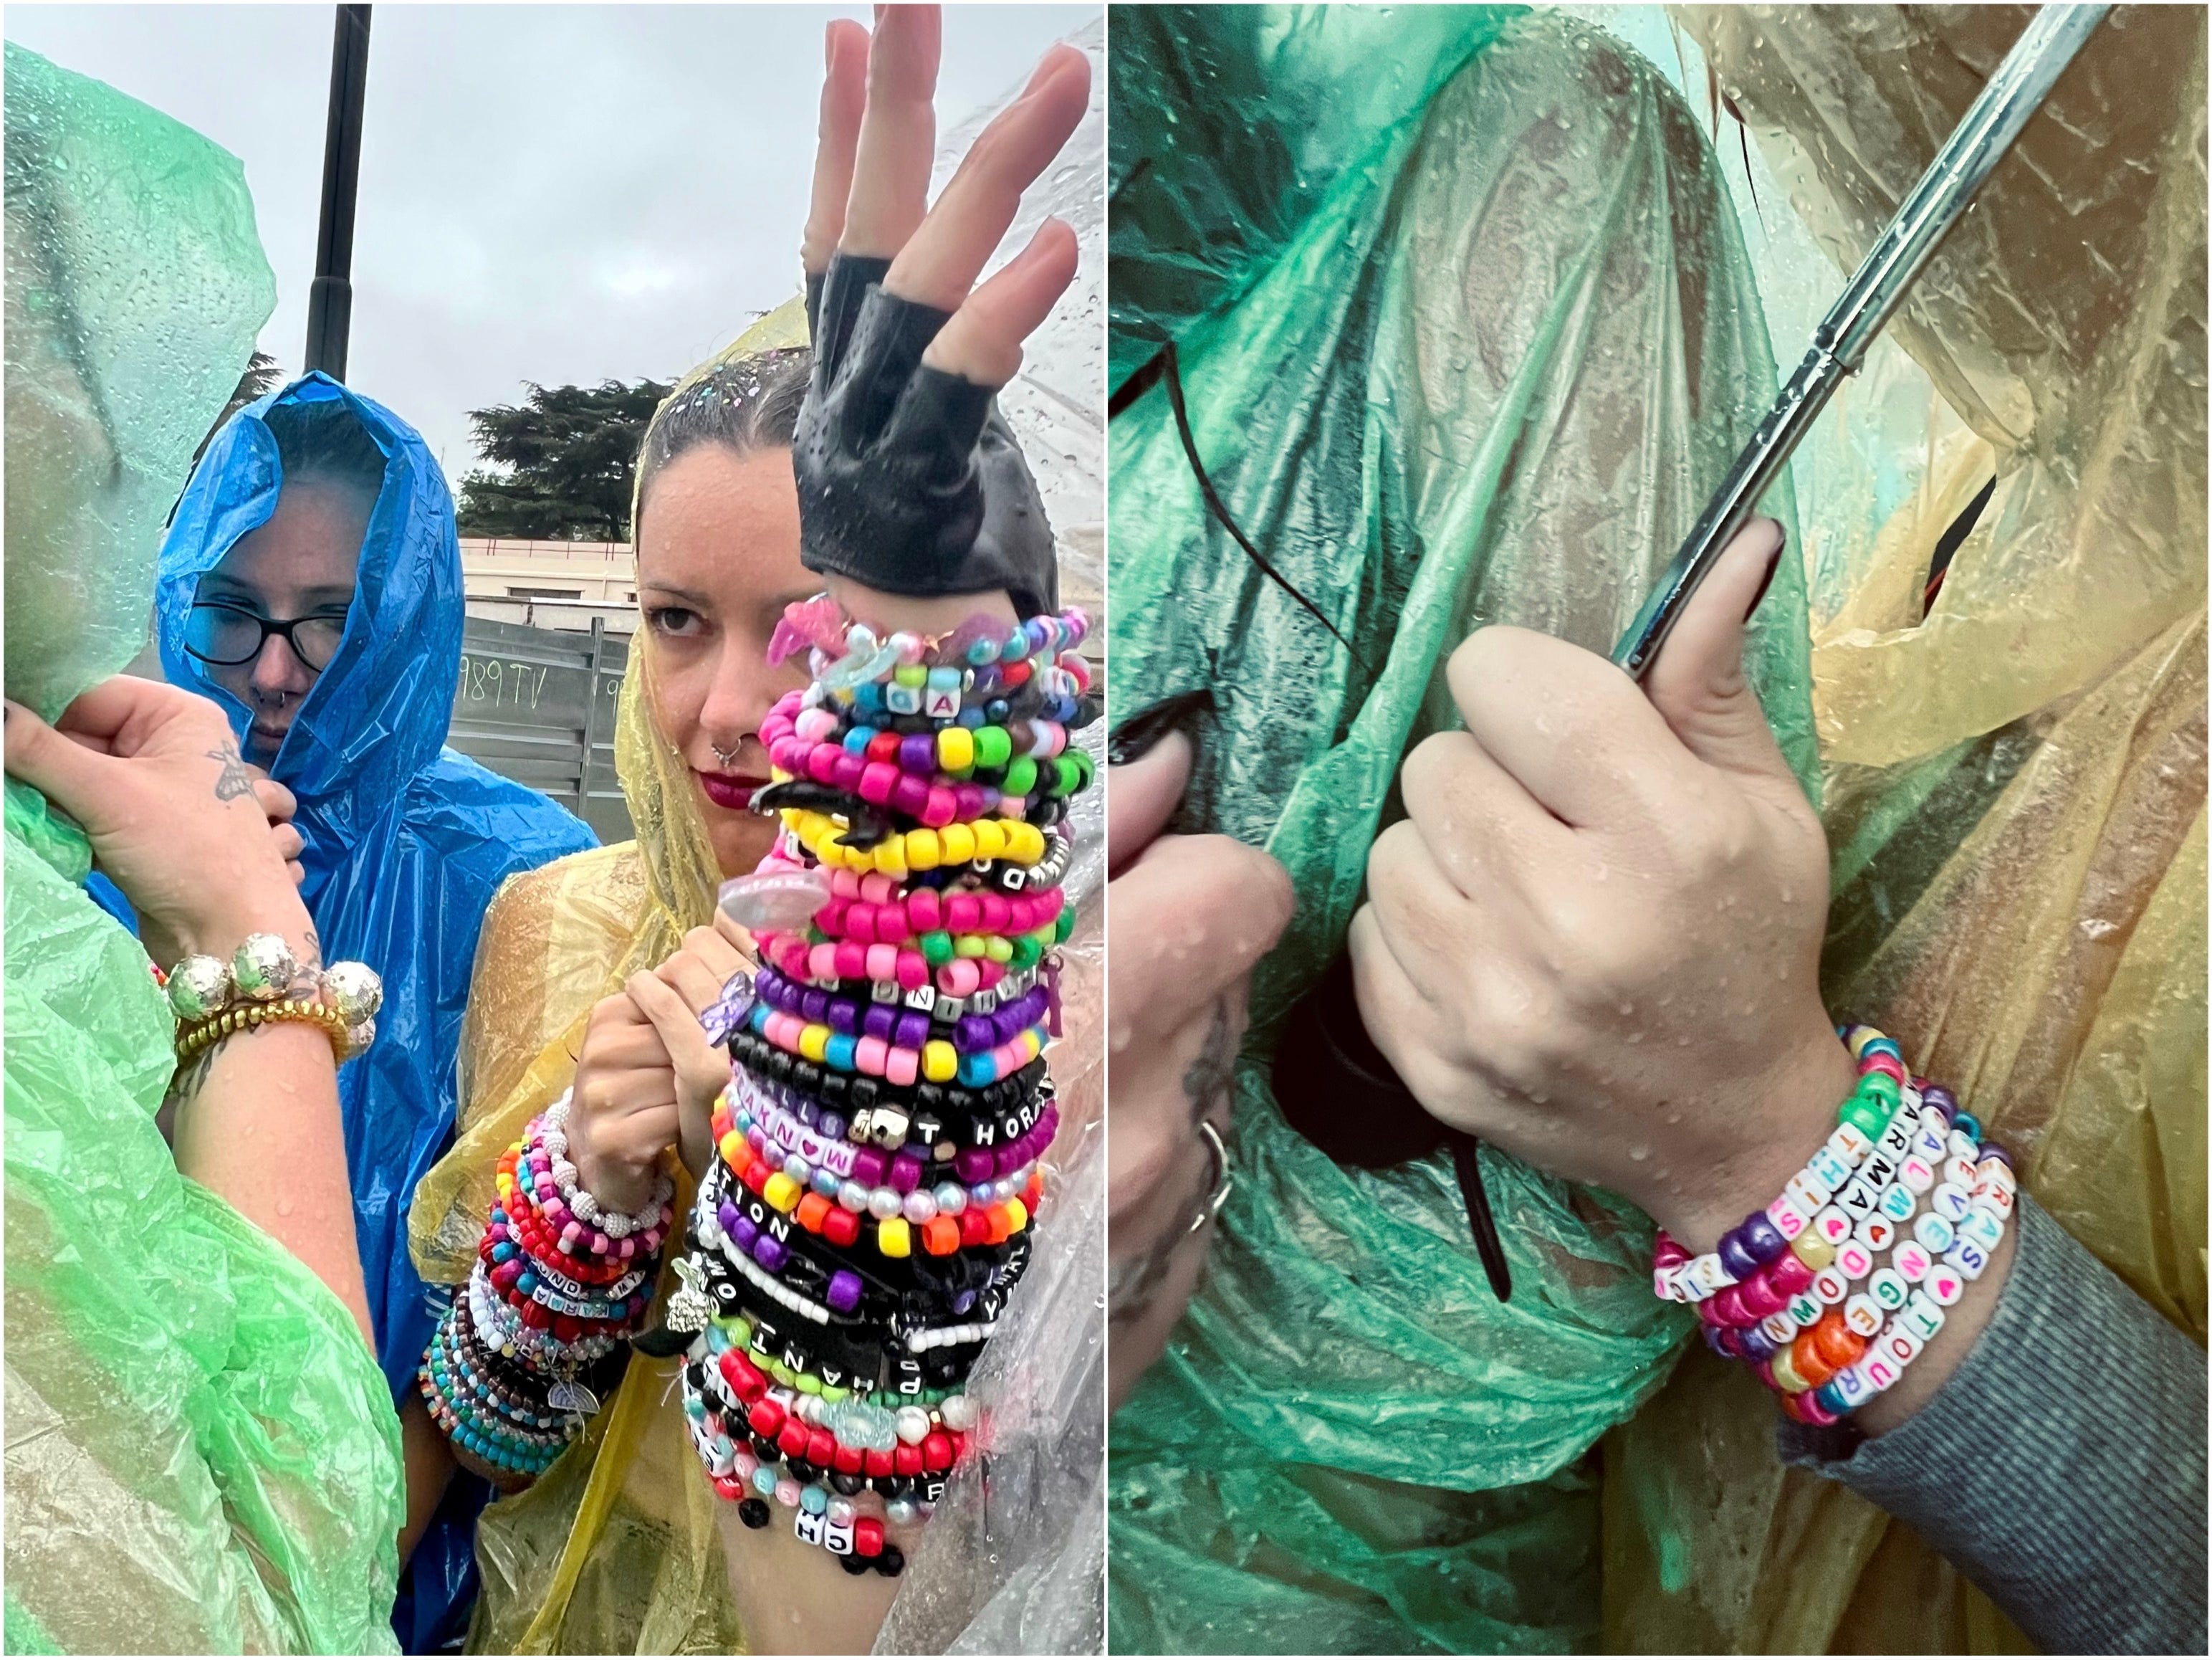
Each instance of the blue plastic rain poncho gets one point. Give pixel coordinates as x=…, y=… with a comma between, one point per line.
x=406, y=842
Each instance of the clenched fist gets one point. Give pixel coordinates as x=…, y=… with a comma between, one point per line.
x=1594, y=941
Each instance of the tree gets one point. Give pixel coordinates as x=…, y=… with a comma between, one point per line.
x=562, y=462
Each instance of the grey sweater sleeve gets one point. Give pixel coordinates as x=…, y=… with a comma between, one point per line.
x=2061, y=1467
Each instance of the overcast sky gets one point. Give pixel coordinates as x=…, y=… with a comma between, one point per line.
x=548, y=193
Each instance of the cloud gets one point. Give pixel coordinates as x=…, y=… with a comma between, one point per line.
x=548, y=192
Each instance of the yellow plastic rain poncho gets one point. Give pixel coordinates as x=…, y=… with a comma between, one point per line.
x=617, y=1548
x=2015, y=785
x=201, y=1452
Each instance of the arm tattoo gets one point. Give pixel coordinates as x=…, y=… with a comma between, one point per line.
x=234, y=780
x=306, y=982
x=1134, y=1282
x=188, y=1078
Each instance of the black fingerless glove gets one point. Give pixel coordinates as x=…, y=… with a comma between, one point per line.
x=909, y=479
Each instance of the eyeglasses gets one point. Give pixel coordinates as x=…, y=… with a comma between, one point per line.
x=229, y=635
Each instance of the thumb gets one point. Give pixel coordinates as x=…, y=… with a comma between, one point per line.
x=1141, y=796
x=66, y=773
x=1698, y=683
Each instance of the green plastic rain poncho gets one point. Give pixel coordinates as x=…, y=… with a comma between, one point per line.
x=200, y=1451
x=1468, y=335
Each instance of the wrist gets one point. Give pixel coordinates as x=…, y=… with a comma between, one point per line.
x=616, y=1184
x=1946, y=1350
x=885, y=611
x=1793, y=1111
x=219, y=930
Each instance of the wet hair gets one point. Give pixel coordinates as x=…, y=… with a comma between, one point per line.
x=325, y=441
x=748, y=403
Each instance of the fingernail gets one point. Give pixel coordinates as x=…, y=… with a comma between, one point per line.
x=1767, y=582
x=1141, y=733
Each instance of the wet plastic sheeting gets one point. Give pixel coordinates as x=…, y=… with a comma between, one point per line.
x=1486, y=375
x=201, y=1453
x=2016, y=782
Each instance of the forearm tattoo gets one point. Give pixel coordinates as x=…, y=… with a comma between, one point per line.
x=1132, y=1282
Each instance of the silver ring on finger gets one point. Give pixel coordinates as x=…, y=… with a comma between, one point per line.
x=1223, y=1178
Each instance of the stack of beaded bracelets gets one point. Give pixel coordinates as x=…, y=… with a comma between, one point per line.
x=1779, y=1292
x=559, y=1282
x=879, y=1152
x=213, y=999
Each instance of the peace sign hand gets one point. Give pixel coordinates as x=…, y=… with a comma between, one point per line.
x=909, y=481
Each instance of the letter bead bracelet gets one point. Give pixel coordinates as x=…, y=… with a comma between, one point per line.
x=1832, y=1290
x=518, y=1362
x=879, y=1154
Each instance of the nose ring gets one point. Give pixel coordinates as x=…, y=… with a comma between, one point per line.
x=727, y=758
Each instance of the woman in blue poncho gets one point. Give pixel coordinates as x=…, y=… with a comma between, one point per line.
x=318, y=508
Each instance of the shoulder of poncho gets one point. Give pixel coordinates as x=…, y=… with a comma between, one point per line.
x=452, y=792
x=599, y=888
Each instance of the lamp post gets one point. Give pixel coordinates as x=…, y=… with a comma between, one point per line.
x=330, y=300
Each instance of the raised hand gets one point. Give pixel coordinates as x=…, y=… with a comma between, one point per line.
x=910, y=484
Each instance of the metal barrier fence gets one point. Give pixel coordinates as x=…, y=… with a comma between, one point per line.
x=538, y=707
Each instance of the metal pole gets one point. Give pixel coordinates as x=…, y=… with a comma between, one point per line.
x=1884, y=277
x=330, y=300
x=596, y=668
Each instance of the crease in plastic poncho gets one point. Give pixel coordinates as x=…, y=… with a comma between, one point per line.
x=2016, y=780
x=1467, y=335
x=618, y=1548
x=200, y=1453
x=407, y=841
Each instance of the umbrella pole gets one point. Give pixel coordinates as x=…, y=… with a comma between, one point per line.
x=330, y=300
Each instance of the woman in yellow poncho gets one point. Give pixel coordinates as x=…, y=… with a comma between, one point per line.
x=623, y=1545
